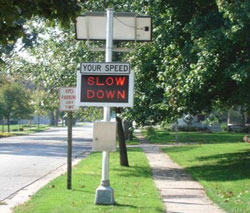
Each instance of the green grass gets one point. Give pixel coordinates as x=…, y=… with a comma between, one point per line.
x=133, y=187
x=21, y=130
x=165, y=137
x=222, y=167
x=135, y=141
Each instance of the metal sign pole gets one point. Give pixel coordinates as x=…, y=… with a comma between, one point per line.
x=105, y=193
x=69, y=156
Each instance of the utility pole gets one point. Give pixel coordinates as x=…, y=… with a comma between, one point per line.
x=105, y=193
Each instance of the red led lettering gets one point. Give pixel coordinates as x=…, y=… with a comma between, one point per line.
x=110, y=94
x=99, y=83
x=120, y=81
x=121, y=94
x=90, y=94
x=91, y=80
x=100, y=94
x=109, y=81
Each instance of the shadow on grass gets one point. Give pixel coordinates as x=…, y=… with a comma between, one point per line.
x=180, y=148
x=228, y=167
x=134, y=171
x=125, y=205
x=135, y=207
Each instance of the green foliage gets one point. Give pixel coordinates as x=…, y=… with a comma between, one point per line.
x=197, y=62
x=223, y=126
x=150, y=132
x=38, y=102
x=149, y=107
x=198, y=59
x=206, y=64
x=89, y=114
x=15, y=101
x=53, y=61
x=15, y=13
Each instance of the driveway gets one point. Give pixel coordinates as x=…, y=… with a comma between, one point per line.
x=26, y=159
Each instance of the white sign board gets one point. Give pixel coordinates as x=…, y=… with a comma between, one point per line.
x=105, y=68
x=67, y=99
x=127, y=27
x=104, y=136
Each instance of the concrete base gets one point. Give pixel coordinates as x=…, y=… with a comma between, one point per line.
x=104, y=196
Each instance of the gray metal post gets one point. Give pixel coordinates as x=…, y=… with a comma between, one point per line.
x=105, y=193
x=69, y=157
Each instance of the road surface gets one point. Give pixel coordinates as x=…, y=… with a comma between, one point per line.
x=26, y=159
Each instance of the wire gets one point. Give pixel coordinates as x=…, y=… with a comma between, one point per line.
x=128, y=25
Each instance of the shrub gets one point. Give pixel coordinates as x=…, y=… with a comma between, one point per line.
x=150, y=131
x=193, y=129
x=223, y=126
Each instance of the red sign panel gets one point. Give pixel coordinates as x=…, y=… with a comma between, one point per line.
x=104, y=88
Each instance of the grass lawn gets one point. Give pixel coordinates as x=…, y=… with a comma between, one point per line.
x=135, y=141
x=220, y=162
x=15, y=130
x=165, y=137
x=133, y=187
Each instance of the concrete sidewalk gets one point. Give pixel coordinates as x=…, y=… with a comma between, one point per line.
x=180, y=193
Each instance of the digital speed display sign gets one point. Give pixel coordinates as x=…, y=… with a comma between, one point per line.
x=105, y=84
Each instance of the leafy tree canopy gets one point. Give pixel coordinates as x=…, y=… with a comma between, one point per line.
x=15, y=13
x=199, y=57
x=15, y=101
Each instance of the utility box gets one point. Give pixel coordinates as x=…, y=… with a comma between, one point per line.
x=104, y=136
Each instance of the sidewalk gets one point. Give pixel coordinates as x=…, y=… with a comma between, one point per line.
x=180, y=193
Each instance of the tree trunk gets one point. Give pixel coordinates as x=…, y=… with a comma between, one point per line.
x=8, y=122
x=126, y=128
x=38, y=121
x=120, y=132
x=3, y=125
x=228, y=120
x=176, y=131
x=57, y=117
x=52, y=118
x=122, y=143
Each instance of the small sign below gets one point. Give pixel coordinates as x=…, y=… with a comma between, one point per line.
x=105, y=68
x=67, y=99
x=104, y=136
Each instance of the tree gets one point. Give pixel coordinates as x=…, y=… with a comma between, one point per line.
x=206, y=64
x=15, y=13
x=199, y=59
x=149, y=94
x=89, y=114
x=38, y=103
x=15, y=102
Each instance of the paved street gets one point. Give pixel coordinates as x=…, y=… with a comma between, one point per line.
x=25, y=159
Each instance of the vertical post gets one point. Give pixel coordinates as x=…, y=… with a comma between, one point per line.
x=69, y=157
x=105, y=193
x=108, y=58
x=176, y=131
